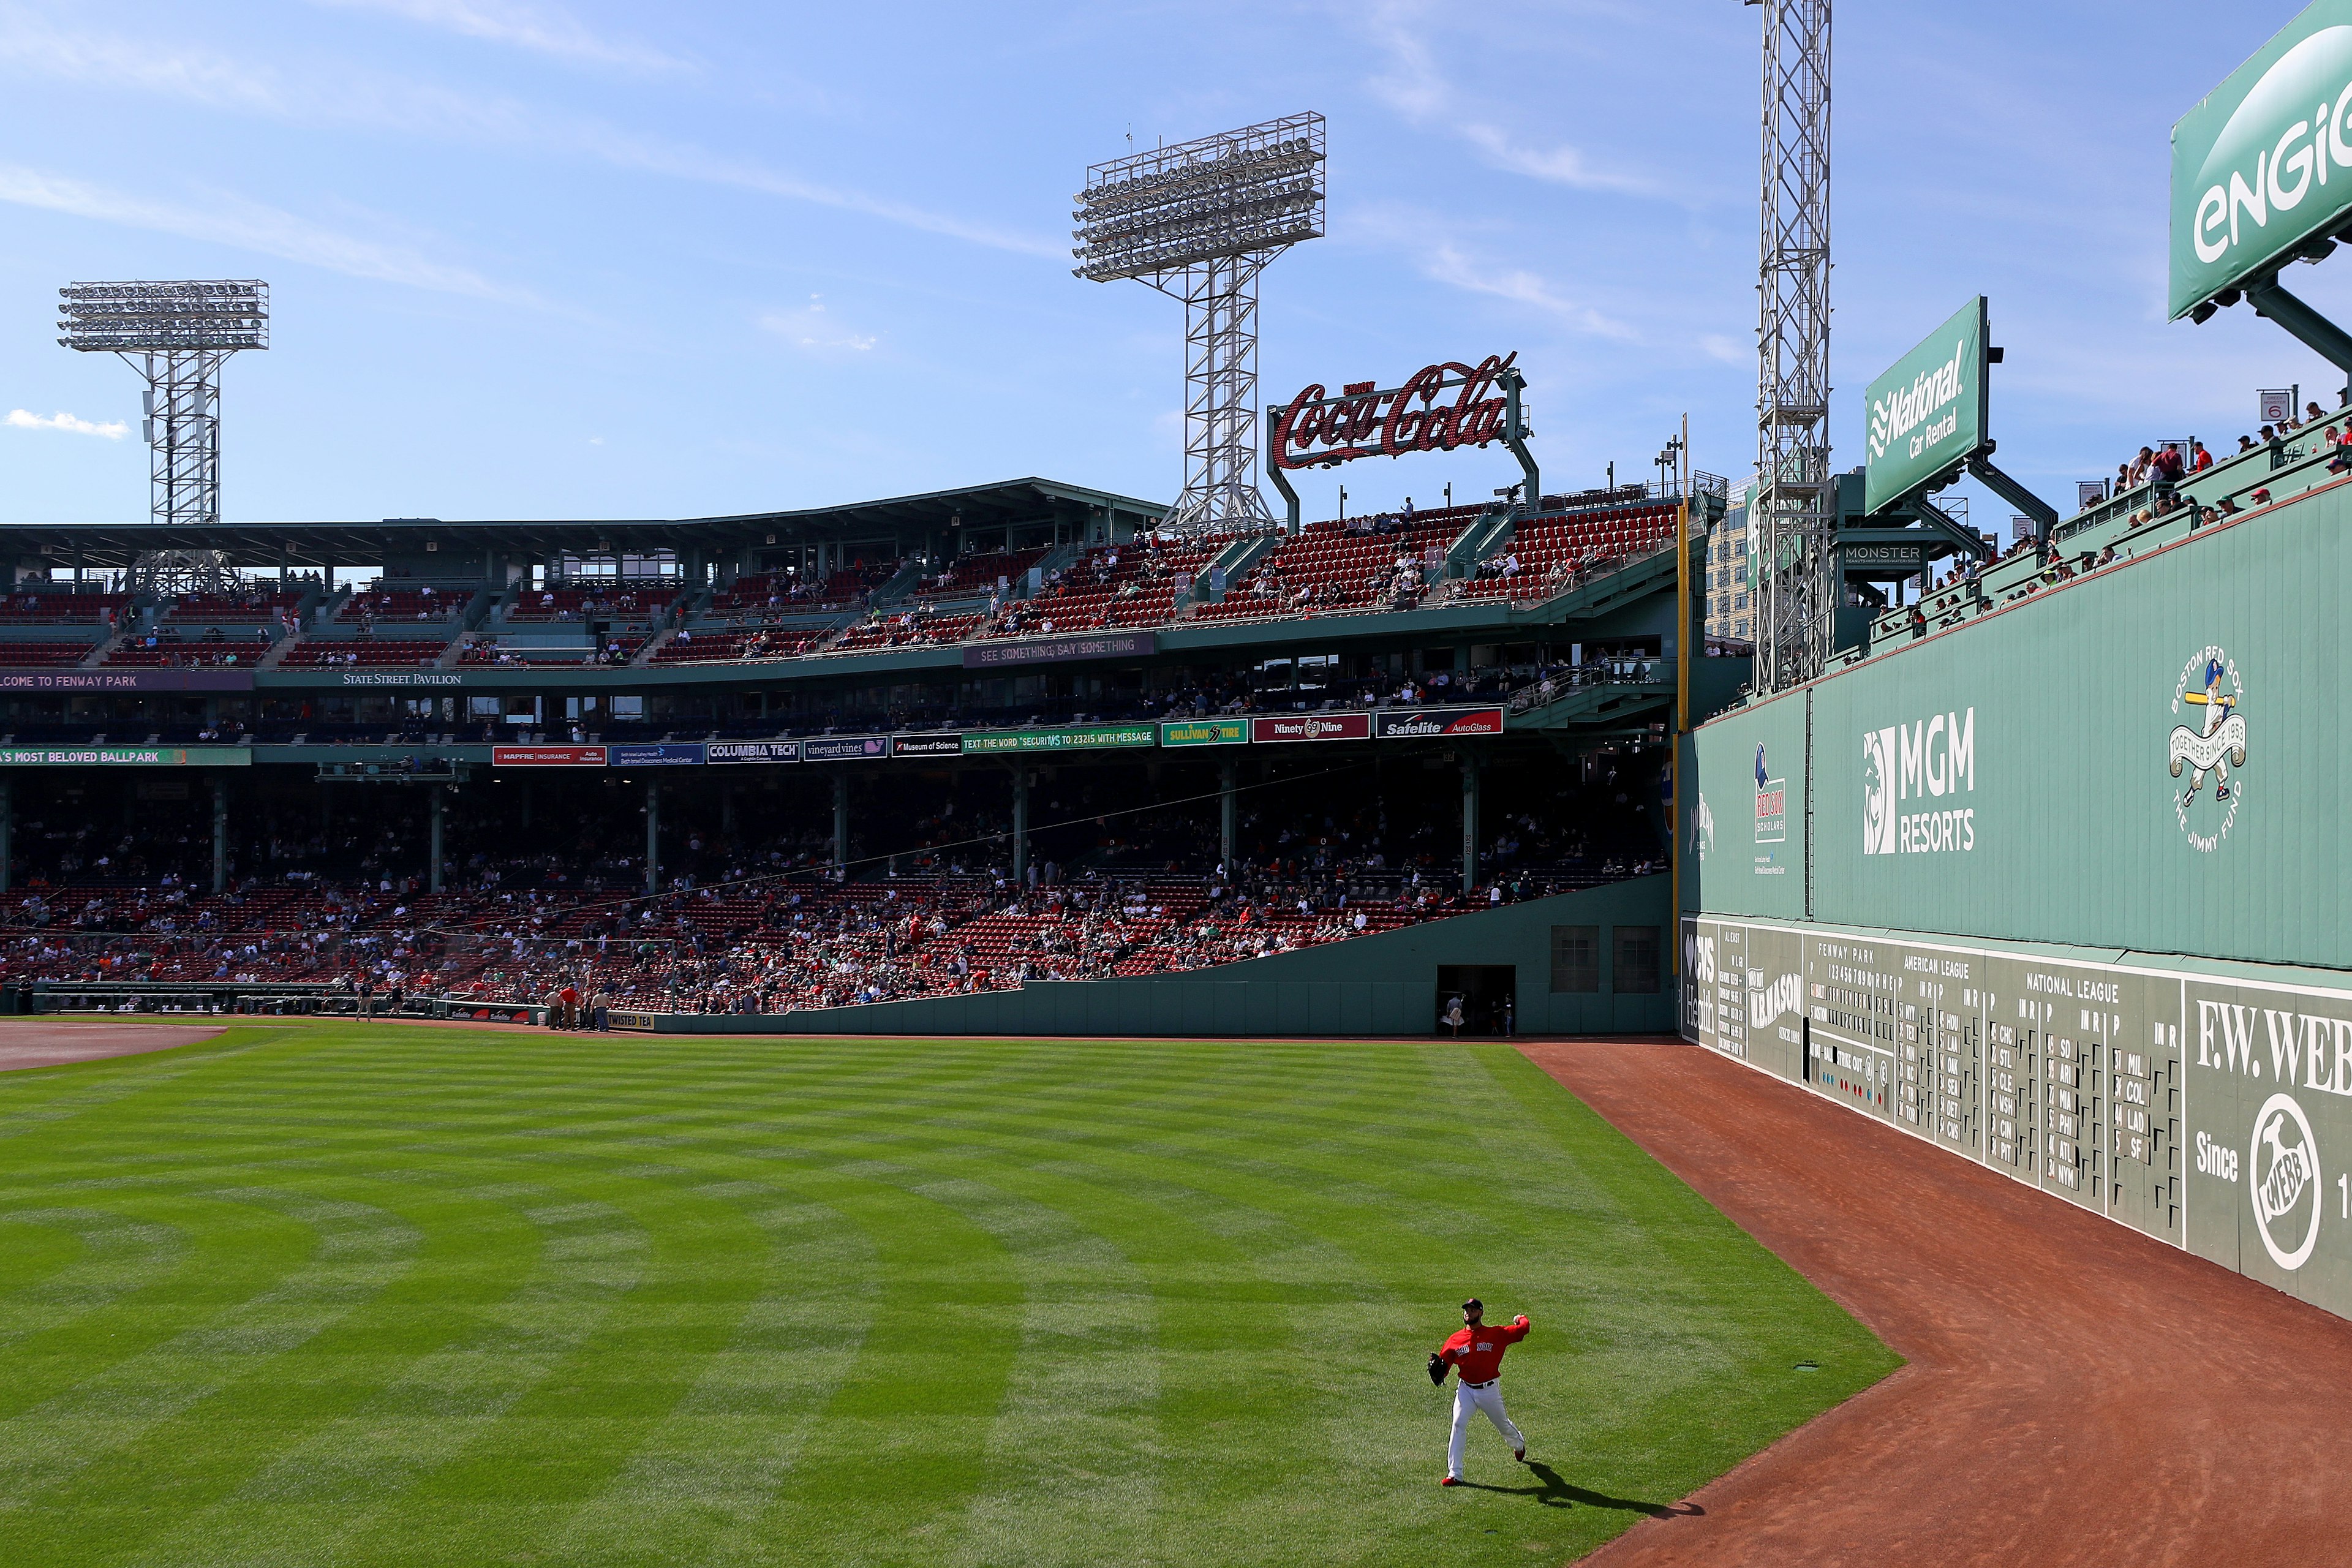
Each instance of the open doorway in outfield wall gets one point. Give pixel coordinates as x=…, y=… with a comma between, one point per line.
x=1489, y=993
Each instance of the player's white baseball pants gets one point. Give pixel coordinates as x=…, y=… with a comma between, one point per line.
x=1487, y=1397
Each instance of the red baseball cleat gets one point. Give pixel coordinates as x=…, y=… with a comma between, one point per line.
x=1521, y=1454
x=1450, y=1481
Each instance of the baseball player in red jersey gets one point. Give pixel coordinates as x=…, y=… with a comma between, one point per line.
x=1476, y=1354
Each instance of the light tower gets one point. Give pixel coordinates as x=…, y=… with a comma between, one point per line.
x=1199, y=221
x=1794, y=513
x=177, y=336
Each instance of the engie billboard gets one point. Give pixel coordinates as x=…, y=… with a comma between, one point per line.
x=2264, y=163
x=1927, y=412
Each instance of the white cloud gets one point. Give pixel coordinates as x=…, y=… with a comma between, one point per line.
x=1559, y=165
x=542, y=30
x=1450, y=265
x=812, y=329
x=245, y=225
x=1416, y=88
x=1715, y=346
x=20, y=420
x=386, y=103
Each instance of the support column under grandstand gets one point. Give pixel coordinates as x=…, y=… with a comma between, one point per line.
x=653, y=836
x=841, y=824
x=220, y=836
x=1469, y=764
x=433, y=880
x=1020, y=826
x=7, y=834
x=1228, y=809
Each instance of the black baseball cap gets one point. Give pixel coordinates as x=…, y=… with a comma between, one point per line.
x=1473, y=1305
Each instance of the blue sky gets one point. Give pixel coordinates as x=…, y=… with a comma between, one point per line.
x=590, y=258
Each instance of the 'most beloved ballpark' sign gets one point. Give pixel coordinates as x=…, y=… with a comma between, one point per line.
x=2264, y=164
x=1314, y=430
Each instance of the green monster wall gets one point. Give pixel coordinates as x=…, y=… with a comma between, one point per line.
x=2012, y=930
x=2011, y=778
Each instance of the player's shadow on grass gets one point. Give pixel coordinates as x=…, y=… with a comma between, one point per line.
x=1554, y=1491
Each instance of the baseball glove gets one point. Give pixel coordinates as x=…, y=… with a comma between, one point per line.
x=1437, y=1369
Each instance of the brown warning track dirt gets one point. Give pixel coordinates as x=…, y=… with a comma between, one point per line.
x=54, y=1042
x=2076, y=1392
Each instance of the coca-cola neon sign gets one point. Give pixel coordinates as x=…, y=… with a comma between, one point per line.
x=1315, y=430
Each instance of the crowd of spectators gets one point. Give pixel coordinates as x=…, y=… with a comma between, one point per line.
x=766, y=924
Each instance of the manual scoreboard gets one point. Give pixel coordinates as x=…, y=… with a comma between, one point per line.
x=2209, y=1112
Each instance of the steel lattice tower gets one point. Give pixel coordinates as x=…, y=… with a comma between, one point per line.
x=177, y=336
x=1199, y=221
x=1794, y=511
x=1219, y=389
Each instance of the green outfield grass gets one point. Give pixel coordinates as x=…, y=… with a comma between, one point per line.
x=322, y=1295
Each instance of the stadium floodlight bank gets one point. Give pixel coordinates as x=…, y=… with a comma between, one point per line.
x=1198, y=221
x=221, y=316
x=177, y=336
x=1258, y=188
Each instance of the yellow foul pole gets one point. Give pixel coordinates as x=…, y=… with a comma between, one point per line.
x=1682, y=654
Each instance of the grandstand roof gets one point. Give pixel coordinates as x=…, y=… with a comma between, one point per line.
x=264, y=546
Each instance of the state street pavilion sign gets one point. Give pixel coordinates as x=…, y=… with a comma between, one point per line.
x=1314, y=430
x=2264, y=165
x=1927, y=412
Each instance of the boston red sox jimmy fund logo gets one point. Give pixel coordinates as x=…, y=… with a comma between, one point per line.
x=2211, y=739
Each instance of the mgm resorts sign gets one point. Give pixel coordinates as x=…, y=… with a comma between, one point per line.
x=2261, y=169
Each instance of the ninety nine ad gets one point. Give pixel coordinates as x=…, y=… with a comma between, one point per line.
x=1931, y=759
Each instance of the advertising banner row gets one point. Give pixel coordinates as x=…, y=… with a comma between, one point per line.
x=125, y=757
x=1386, y=724
x=2210, y=1111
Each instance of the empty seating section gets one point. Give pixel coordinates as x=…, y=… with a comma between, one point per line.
x=978, y=573
x=35, y=608
x=752, y=592
x=1552, y=550
x=850, y=584
x=240, y=655
x=551, y=656
x=1329, y=568
x=589, y=604
x=43, y=654
x=907, y=629
x=379, y=651
x=698, y=646
x=792, y=590
x=1116, y=585
x=402, y=605
x=230, y=609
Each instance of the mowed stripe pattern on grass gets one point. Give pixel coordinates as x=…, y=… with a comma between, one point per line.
x=343, y=1295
